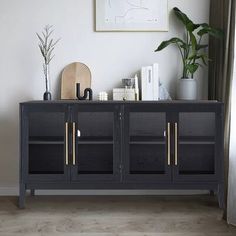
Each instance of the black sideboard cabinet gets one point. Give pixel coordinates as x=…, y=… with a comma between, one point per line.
x=121, y=145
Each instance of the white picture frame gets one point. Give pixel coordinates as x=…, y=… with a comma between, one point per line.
x=132, y=15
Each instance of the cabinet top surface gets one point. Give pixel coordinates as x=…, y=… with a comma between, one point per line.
x=122, y=102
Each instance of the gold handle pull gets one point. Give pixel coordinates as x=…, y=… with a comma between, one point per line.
x=176, y=144
x=74, y=145
x=168, y=143
x=67, y=156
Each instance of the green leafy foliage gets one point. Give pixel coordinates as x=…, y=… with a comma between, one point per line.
x=191, y=49
x=165, y=44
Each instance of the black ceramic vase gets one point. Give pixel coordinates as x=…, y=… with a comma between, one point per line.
x=47, y=96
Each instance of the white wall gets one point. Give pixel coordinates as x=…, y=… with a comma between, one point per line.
x=110, y=56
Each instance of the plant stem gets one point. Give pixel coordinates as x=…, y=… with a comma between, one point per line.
x=188, y=52
x=182, y=55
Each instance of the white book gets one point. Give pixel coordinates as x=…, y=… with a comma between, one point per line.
x=149, y=82
x=155, y=82
x=143, y=83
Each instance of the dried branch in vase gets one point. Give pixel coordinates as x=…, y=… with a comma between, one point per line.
x=47, y=45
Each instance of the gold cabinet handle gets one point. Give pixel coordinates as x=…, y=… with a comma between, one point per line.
x=67, y=156
x=74, y=144
x=176, y=144
x=168, y=143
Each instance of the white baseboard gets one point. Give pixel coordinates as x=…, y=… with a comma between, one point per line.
x=14, y=191
x=9, y=191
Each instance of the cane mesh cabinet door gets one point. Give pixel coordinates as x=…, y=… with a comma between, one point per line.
x=146, y=156
x=96, y=143
x=44, y=142
x=198, y=144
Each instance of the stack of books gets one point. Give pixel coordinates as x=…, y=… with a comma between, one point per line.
x=150, y=83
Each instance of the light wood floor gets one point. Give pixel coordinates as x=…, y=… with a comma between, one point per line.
x=113, y=216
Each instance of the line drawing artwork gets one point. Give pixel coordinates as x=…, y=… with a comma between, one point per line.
x=131, y=11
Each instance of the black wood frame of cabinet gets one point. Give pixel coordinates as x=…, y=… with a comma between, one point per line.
x=121, y=178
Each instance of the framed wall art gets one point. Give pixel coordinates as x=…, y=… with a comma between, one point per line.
x=132, y=15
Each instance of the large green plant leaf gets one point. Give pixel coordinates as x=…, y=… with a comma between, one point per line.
x=182, y=17
x=190, y=26
x=192, y=68
x=206, y=29
x=165, y=44
x=203, y=57
x=193, y=46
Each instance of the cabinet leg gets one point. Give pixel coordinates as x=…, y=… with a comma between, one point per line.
x=32, y=192
x=22, y=196
x=221, y=196
x=212, y=193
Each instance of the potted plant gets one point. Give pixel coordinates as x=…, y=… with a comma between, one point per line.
x=47, y=46
x=193, y=53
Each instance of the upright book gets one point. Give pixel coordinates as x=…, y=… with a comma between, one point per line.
x=155, y=82
x=150, y=83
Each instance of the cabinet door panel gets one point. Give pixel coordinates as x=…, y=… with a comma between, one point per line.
x=95, y=159
x=46, y=159
x=145, y=145
x=45, y=143
x=97, y=143
x=147, y=159
x=196, y=159
x=196, y=146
